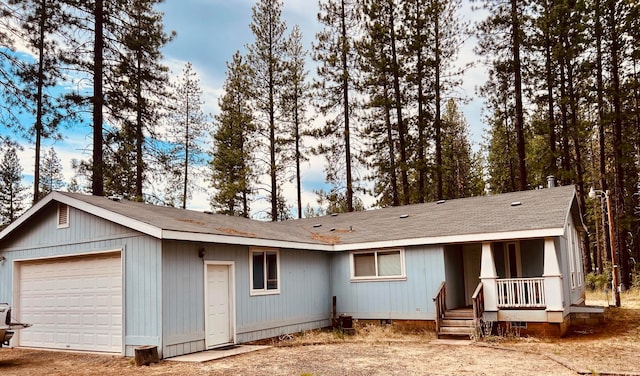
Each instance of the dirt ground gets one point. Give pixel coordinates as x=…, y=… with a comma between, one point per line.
x=613, y=348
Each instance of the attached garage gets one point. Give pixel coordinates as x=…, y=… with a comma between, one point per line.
x=74, y=303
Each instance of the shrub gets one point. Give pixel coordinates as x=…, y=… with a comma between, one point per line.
x=597, y=281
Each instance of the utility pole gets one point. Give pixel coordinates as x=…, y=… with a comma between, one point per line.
x=615, y=282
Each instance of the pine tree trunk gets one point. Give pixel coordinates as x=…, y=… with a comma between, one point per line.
x=402, y=133
x=552, y=168
x=602, y=162
x=345, y=99
x=621, y=234
x=522, y=168
x=39, y=99
x=437, y=120
x=139, y=134
x=97, y=179
x=395, y=198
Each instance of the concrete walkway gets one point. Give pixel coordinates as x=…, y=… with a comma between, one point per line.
x=205, y=356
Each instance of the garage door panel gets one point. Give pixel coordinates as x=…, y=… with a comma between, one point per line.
x=73, y=303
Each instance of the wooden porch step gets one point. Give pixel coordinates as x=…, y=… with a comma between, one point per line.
x=456, y=331
x=457, y=322
x=465, y=313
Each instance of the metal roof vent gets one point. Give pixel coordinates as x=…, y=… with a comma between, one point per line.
x=317, y=225
x=334, y=214
x=516, y=203
x=404, y=216
x=440, y=202
x=551, y=181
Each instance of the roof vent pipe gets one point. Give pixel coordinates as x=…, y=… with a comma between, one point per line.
x=551, y=181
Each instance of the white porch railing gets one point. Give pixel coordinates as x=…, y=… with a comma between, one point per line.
x=521, y=293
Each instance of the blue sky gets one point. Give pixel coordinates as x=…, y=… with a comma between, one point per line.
x=208, y=33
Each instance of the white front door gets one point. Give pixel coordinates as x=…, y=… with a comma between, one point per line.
x=219, y=305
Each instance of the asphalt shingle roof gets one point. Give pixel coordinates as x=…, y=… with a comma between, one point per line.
x=537, y=210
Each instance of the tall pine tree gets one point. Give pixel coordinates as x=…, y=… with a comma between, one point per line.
x=232, y=174
x=186, y=129
x=12, y=192
x=335, y=53
x=266, y=57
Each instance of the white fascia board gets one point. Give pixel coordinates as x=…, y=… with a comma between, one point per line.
x=238, y=240
x=26, y=215
x=120, y=219
x=81, y=205
x=469, y=238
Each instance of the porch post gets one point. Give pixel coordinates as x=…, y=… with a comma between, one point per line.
x=552, y=278
x=488, y=277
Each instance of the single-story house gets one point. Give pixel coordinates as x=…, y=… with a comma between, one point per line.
x=103, y=274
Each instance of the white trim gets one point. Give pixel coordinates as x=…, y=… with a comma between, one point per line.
x=123, y=295
x=17, y=263
x=60, y=215
x=67, y=255
x=450, y=239
x=265, y=290
x=237, y=240
x=91, y=240
x=26, y=215
x=87, y=207
x=376, y=278
x=232, y=300
x=570, y=252
x=110, y=215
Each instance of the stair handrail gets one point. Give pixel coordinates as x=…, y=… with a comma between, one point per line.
x=440, y=301
x=478, y=305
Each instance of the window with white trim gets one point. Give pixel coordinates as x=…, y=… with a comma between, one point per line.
x=63, y=215
x=264, y=271
x=572, y=256
x=578, y=256
x=381, y=264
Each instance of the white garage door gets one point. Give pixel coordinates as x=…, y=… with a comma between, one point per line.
x=73, y=303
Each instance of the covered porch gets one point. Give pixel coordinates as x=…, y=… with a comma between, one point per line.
x=504, y=281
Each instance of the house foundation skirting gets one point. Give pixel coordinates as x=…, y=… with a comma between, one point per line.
x=402, y=325
x=585, y=315
x=533, y=329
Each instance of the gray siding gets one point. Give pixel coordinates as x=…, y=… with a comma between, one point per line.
x=40, y=238
x=304, y=301
x=41, y=230
x=183, y=308
x=575, y=294
x=143, y=294
x=411, y=299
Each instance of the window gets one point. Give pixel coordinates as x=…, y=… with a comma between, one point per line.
x=382, y=264
x=575, y=257
x=264, y=265
x=63, y=215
